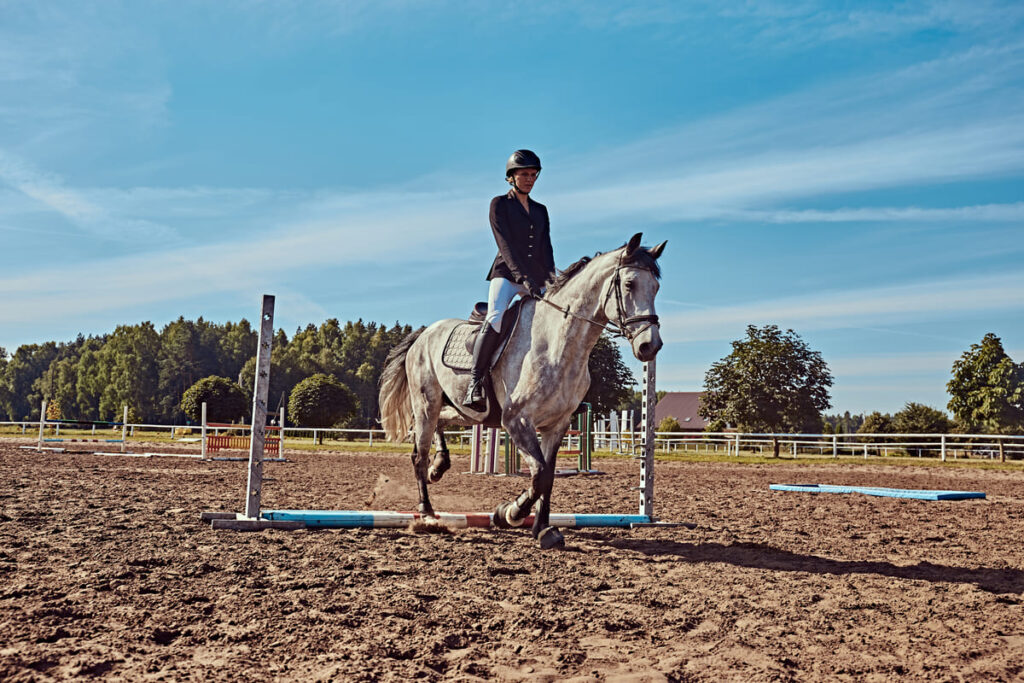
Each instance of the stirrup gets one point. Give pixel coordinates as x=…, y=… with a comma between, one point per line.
x=476, y=397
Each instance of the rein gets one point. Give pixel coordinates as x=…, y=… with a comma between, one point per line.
x=618, y=328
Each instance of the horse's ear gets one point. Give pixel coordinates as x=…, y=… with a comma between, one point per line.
x=634, y=243
x=656, y=251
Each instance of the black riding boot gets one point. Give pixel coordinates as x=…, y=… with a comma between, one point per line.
x=483, y=348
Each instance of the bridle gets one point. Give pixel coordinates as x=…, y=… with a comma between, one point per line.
x=620, y=327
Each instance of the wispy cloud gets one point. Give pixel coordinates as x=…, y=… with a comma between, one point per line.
x=921, y=301
x=51, y=192
x=400, y=231
x=982, y=150
x=794, y=25
x=988, y=213
x=901, y=364
x=950, y=119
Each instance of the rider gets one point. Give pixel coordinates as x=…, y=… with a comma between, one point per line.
x=523, y=265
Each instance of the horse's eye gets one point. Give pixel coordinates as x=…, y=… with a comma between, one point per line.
x=629, y=286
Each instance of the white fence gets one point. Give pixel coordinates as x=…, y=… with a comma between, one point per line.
x=943, y=446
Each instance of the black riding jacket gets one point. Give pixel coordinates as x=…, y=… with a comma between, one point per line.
x=524, y=241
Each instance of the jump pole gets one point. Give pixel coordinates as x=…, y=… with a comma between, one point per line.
x=381, y=519
x=647, y=458
x=646, y=488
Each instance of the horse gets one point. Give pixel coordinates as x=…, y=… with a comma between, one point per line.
x=539, y=380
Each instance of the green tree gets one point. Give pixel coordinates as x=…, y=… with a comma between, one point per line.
x=877, y=423
x=4, y=398
x=59, y=382
x=225, y=400
x=353, y=354
x=182, y=361
x=917, y=418
x=611, y=381
x=771, y=382
x=987, y=390
x=321, y=401
x=91, y=375
x=236, y=345
x=128, y=366
x=23, y=394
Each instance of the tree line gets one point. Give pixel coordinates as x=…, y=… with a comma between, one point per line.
x=150, y=371
x=91, y=378
x=773, y=382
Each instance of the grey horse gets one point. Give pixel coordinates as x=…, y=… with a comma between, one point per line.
x=539, y=380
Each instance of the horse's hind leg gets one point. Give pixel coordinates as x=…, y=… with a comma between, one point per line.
x=426, y=409
x=420, y=462
x=442, y=460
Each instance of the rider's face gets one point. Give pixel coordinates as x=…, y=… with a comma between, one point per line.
x=525, y=178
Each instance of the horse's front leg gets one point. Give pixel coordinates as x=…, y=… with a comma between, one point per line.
x=524, y=437
x=549, y=536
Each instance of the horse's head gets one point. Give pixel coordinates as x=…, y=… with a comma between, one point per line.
x=629, y=300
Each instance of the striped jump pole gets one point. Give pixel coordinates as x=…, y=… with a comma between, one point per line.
x=379, y=519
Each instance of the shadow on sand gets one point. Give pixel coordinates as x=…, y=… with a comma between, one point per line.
x=761, y=556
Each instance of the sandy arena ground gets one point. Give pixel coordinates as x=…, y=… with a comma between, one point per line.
x=106, y=571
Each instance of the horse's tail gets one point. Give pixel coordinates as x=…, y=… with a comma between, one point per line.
x=395, y=406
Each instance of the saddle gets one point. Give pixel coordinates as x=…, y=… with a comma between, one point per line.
x=458, y=356
x=458, y=350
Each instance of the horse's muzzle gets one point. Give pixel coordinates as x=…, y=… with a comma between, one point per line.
x=648, y=348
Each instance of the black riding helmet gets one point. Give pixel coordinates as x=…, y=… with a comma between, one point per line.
x=521, y=158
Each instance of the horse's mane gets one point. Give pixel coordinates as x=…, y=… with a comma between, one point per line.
x=640, y=258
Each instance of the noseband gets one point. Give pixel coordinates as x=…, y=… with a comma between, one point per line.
x=620, y=327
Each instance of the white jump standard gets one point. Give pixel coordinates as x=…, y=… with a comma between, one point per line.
x=43, y=422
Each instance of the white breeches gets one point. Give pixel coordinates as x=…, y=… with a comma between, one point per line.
x=499, y=296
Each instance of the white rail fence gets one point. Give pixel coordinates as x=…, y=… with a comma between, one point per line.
x=942, y=446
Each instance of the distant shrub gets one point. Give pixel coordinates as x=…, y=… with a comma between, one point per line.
x=225, y=400
x=669, y=424
x=321, y=401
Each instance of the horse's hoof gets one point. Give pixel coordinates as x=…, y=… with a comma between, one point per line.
x=426, y=510
x=500, y=518
x=550, y=538
x=442, y=463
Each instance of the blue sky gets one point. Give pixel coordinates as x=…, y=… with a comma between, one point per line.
x=853, y=171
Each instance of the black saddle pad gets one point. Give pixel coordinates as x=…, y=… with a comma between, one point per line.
x=458, y=354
